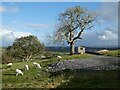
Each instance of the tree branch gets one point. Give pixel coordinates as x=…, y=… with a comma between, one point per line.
x=78, y=36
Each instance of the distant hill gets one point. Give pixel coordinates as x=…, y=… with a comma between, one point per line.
x=88, y=49
x=67, y=49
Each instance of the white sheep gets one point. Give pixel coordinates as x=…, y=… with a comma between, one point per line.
x=42, y=56
x=59, y=57
x=19, y=72
x=36, y=64
x=26, y=67
x=9, y=64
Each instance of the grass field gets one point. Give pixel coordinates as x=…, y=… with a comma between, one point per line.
x=76, y=56
x=39, y=78
x=66, y=79
x=114, y=53
x=33, y=76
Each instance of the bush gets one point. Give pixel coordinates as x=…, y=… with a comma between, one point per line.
x=6, y=58
x=25, y=48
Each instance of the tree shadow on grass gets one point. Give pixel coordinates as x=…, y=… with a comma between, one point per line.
x=10, y=74
x=89, y=79
x=66, y=73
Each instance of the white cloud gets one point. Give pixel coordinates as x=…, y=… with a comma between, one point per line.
x=2, y=9
x=108, y=35
x=8, y=9
x=9, y=36
x=37, y=25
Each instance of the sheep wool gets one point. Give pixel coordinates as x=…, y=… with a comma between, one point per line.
x=26, y=67
x=36, y=64
x=18, y=72
x=59, y=57
x=9, y=64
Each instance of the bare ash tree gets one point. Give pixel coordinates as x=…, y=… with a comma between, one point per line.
x=72, y=23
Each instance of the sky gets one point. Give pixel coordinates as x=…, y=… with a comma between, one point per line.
x=40, y=18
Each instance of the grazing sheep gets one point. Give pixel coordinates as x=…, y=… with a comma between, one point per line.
x=18, y=71
x=26, y=67
x=42, y=56
x=59, y=57
x=36, y=64
x=9, y=64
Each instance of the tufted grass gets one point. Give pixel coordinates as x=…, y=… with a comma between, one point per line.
x=114, y=53
x=76, y=56
x=39, y=78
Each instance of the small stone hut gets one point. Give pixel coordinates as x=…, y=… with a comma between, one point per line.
x=81, y=49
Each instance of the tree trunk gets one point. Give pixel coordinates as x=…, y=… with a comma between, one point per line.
x=71, y=48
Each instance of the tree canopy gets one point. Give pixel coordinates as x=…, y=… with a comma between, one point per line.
x=72, y=23
x=25, y=47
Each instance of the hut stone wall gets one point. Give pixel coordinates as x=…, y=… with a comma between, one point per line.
x=81, y=50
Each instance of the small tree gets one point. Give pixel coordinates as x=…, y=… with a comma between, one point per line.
x=25, y=48
x=72, y=23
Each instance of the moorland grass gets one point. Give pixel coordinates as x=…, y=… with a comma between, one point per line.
x=39, y=78
x=36, y=78
x=114, y=53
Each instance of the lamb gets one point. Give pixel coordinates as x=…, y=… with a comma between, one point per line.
x=36, y=64
x=18, y=72
x=42, y=56
x=26, y=67
x=9, y=64
x=59, y=57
